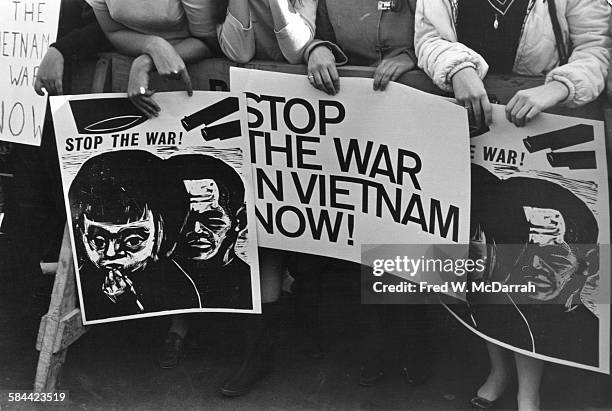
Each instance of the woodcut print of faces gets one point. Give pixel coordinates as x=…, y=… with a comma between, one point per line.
x=207, y=223
x=123, y=247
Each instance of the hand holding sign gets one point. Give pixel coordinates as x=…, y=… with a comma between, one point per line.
x=138, y=86
x=392, y=68
x=168, y=62
x=470, y=92
x=50, y=74
x=322, y=72
x=526, y=104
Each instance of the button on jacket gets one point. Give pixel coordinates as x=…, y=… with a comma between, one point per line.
x=360, y=34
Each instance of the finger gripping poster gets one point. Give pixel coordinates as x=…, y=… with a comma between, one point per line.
x=160, y=209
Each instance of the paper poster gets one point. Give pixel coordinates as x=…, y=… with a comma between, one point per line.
x=161, y=210
x=28, y=28
x=343, y=175
x=541, y=215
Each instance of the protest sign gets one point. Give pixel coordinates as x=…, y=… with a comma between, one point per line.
x=28, y=28
x=161, y=212
x=340, y=175
x=540, y=205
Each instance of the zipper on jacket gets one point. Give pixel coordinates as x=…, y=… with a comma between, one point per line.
x=530, y=8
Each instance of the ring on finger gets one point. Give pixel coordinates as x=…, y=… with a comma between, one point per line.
x=173, y=75
x=311, y=77
x=142, y=91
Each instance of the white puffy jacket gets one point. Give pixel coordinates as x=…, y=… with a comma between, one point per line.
x=585, y=27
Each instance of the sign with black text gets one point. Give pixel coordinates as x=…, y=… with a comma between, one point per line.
x=28, y=28
x=160, y=209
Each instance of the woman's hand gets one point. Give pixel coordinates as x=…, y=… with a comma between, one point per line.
x=391, y=69
x=138, y=86
x=322, y=72
x=470, y=92
x=168, y=62
x=50, y=73
x=526, y=104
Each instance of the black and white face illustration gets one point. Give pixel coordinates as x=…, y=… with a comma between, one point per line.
x=546, y=225
x=208, y=223
x=118, y=211
x=124, y=247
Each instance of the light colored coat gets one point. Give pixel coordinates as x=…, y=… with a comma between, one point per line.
x=584, y=25
x=261, y=41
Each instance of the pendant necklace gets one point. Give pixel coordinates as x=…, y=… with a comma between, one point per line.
x=501, y=7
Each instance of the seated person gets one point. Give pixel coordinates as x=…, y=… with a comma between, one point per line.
x=568, y=41
x=79, y=35
x=366, y=33
x=163, y=35
x=276, y=30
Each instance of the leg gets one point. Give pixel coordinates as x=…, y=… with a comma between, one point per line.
x=529, y=371
x=259, y=337
x=381, y=345
x=306, y=269
x=499, y=376
x=415, y=334
x=179, y=325
x=173, y=343
x=272, y=265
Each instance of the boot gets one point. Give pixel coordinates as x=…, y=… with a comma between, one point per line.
x=416, y=356
x=170, y=352
x=258, y=356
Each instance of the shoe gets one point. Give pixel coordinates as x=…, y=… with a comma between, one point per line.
x=482, y=403
x=415, y=377
x=259, y=352
x=253, y=370
x=370, y=375
x=171, y=351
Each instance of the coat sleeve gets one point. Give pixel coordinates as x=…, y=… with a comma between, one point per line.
x=84, y=41
x=294, y=38
x=203, y=16
x=325, y=35
x=589, y=32
x=438, y=52
x=236, y=41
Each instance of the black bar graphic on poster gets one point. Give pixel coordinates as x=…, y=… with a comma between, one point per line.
x=222, y=131
x=211, y=113
x=575, y=160
x=558, y=139
x=105, y=115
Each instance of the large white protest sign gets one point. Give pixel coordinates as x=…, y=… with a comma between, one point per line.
x=540, y=203
x=335, y=173
x=28, y=28
x=161, y=211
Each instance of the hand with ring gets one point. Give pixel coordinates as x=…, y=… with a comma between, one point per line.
x=138, y=86
x=322, y=73
x=168, y=62
x=470, y=92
